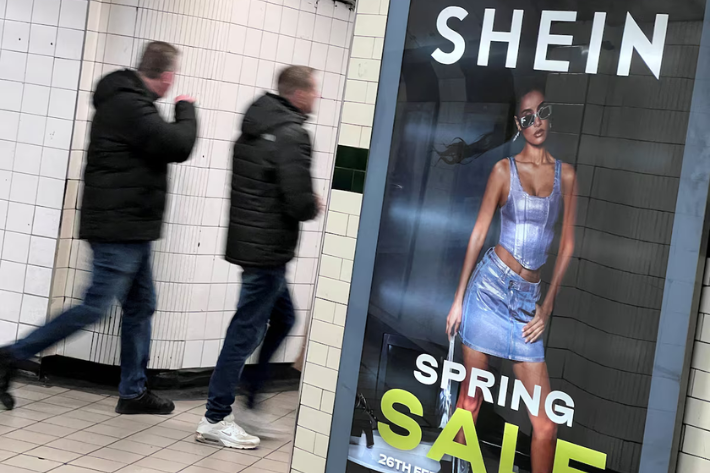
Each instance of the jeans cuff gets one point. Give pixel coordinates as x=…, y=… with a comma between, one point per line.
x=133, y=396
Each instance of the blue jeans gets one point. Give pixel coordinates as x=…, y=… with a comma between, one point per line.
x=120, y=271
x=264, y=300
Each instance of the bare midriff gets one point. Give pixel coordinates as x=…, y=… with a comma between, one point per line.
x=512, y=263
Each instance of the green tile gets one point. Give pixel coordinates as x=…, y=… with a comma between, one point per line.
x=342, y=179
x=351, y=158
x=359, y=182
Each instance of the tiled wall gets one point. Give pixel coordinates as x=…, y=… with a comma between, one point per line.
x=41, y=44
x=336, y=264
x=694, y=456
x=232, y=51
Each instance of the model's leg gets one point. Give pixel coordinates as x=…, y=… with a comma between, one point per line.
x=542, y=450
x=280, y=324
x=260, y=290
x=471, y=359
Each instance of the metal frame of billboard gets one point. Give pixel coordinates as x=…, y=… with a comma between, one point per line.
x=686, y=262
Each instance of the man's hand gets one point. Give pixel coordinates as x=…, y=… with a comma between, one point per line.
x=184, y=98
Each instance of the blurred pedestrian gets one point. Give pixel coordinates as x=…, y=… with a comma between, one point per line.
x=125, y=184
x=272, y=192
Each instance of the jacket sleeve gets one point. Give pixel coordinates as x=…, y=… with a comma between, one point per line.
x=293, y=172
x=163, y=141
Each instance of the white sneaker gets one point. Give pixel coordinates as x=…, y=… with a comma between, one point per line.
x=255, y=423
x=226, y=433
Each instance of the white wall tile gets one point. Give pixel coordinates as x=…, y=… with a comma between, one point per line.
x=16, y=36
x=11, y=95
x=39, y=69
x=12, y=65
x=19, y=10
x=10, y=305
x=69, y=43
x=46, y=12
x=43, y=39
x=73, y=14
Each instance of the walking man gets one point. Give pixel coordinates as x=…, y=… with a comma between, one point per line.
x=272, y=192
x=125, y=183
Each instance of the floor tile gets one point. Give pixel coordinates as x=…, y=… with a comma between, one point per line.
x=4, y=455
x=99, y=464
x=194, y=448
x=31, y=463
x=73, y=446
x=279, y=457
x=64, y=401
x=219, y=465
x=48, y=408
x=159, y=464
x=72, y=469
x=135, y=447
x=50, y=429
x=69, y=422
x=82, y=396
x=69, y=431
x=28, y=414
x=113, y=454
x=234, y=456
x=92, y=438
x=48, y=453
x=8, y=420
x=271, y=465
x=151, y=439
x=31, y=437
x=17, y=446
x=177, y=456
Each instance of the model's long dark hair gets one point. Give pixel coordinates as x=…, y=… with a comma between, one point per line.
x=461, y=152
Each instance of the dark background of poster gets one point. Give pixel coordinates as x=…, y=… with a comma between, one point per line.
x=625, y=137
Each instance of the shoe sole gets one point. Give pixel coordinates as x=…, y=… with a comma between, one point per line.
x=136, y=413
x=239, y=446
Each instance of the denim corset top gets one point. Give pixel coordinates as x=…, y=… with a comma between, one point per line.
x=527, y=222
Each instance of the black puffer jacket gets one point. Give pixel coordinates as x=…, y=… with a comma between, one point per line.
x=125, y=180
x=272, y=189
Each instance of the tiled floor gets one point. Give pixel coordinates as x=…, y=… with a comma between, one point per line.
x=67, y=431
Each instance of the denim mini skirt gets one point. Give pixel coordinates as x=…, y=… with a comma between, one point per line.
x=497, y=305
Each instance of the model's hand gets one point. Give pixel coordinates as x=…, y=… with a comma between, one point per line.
x=534, y=329
x=453, y=321
x=184, y=98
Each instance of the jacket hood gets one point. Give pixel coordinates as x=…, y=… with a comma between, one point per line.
x=269, y=113
x=124, y=81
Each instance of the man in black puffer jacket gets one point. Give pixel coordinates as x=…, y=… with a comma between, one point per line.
x=125, y=183
x=272, y=192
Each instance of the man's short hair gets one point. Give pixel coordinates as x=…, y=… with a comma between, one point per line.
x=295, y=78
x=158, y=57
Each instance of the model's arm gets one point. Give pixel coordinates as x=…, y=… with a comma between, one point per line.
x=497, y=184
x=536, y=327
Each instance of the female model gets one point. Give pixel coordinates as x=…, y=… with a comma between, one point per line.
x=496, y=310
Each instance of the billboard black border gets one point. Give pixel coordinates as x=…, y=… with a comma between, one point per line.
x=683, y=284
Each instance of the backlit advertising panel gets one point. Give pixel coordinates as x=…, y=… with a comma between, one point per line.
x=525, y=235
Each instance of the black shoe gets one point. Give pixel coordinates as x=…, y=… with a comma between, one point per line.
x=148, y=403
x=7, y=373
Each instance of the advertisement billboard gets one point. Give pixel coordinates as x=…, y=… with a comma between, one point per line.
x=525, y=236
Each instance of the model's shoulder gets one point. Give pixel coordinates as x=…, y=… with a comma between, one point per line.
x=502, y=167
x=567, y=171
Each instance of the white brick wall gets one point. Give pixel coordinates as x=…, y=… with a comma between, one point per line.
x=336, y=262
x=231, y=52
x=694, y=454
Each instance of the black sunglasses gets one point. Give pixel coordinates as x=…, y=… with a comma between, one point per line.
x=545, y=112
